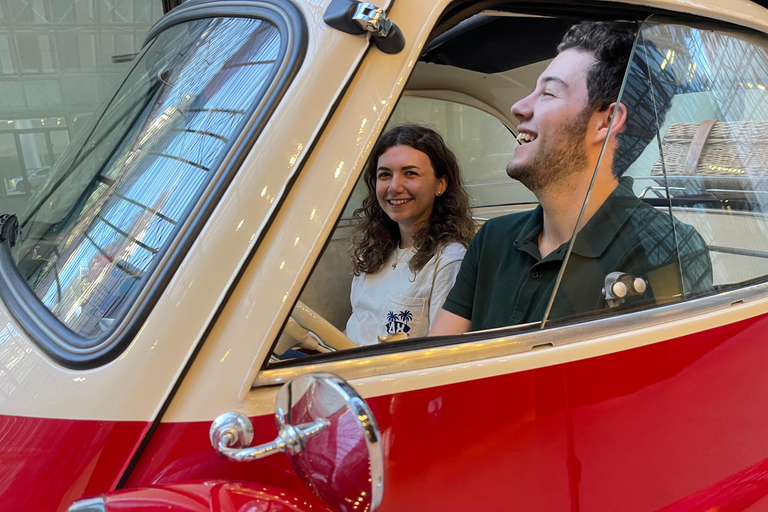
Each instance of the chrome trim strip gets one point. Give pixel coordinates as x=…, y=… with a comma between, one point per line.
x=372, y=365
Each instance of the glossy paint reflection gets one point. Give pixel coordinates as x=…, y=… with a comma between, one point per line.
x=336, y=463
x=208, y=496
x=653, y=427
x=68, y=459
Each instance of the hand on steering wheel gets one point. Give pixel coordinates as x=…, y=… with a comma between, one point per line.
x=307, y=329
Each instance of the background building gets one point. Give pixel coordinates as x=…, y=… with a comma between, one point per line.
x=59, y=59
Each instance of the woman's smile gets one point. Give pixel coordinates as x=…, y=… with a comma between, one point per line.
x=406, y=188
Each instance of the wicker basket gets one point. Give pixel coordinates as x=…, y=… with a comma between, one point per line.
x=729, y=153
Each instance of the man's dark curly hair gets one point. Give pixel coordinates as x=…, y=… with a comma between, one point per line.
x=611, y=45
x=376, y=235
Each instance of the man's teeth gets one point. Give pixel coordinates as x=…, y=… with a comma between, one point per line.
x=525, y=137
x=398, y=202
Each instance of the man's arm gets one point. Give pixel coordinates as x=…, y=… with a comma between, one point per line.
x=449, y=323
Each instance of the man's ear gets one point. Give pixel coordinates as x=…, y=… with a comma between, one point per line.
x=615, y=116
x=612, y=117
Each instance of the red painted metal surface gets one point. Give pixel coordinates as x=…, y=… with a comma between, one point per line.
x=210, y=497
x=653, y=427
x=181, y=452
x=49, y=463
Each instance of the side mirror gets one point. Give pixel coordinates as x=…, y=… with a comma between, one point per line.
x=329, y=435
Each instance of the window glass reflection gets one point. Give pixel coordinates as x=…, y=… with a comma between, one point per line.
x=695, y=153
x=115, y=197
x=711, y=165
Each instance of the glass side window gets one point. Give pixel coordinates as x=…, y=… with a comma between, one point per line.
x=111, y=204
x=710, y=168
x=691, y=219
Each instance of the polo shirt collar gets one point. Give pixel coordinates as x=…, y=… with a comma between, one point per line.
x=528, y=239
x=594, y=239
x=597, y=235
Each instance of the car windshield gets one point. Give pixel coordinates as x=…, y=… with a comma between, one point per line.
x=110, y=206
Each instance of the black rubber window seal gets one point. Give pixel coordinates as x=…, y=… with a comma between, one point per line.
x=40, y=324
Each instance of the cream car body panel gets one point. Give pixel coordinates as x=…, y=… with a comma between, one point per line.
x=205, y=347
x=168, y=337
x=286, y=257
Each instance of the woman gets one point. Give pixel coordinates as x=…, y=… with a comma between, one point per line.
x=412, y=233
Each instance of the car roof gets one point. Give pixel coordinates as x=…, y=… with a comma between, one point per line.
x=488, y=61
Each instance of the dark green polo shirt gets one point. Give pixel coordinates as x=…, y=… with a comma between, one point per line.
x=504, y=281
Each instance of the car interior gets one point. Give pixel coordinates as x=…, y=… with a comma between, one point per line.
x=469, y=76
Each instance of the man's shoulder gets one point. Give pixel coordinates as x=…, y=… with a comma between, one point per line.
x=649, y=216
x=509, y=222
x=658, y=230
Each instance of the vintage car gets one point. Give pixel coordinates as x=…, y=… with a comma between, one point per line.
x=188, y=255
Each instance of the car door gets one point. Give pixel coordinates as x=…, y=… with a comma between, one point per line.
x=118, y=270
x=631, y=409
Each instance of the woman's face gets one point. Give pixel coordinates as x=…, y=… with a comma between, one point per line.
x=406, y=186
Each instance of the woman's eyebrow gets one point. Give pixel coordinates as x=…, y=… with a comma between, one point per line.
x=405, y=167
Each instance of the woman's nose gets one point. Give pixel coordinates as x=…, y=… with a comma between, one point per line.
x=397, y=181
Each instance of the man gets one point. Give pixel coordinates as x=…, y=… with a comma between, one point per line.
x=512, y=265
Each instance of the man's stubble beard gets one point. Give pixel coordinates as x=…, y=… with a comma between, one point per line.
x=566, y=157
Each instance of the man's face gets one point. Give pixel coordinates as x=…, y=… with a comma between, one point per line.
x=553, y=123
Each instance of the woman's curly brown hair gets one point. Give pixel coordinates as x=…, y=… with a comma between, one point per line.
x=376, y=235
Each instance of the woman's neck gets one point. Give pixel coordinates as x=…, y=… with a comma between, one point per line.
x=406, y=236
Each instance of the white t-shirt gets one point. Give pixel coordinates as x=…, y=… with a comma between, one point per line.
x=396, y=300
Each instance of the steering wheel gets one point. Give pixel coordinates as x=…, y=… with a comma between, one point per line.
x=307, y=329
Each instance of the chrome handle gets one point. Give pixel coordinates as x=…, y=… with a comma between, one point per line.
x=231, y=432
x=372, y=19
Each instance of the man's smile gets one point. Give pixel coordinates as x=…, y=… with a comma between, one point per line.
x=526, y=137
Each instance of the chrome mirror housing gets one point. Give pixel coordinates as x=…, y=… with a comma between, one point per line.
x=329, y=434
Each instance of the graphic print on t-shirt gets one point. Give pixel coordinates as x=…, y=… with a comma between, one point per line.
x=398, y=322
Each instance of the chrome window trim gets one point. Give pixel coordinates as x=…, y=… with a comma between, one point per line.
x=507, y=343
x=44, y=328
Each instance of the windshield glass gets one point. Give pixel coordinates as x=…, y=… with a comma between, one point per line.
x=114, y=200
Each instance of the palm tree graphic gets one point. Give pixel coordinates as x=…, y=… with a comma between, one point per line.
x=405, y=317
x=398, y=322
x=391, y=322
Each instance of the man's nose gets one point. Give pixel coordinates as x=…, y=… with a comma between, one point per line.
x=522, y=109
